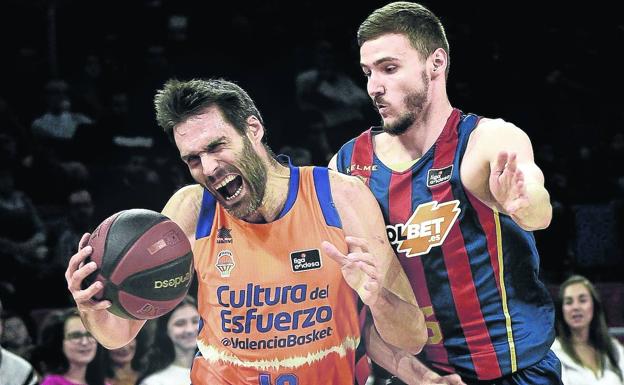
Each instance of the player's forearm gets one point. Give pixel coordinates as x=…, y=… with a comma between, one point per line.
x=399, y=363
x=110, y=331
x=399, y=323
x=538, y=214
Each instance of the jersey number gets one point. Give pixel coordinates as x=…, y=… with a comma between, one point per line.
x=435, y=334
x=282, y=379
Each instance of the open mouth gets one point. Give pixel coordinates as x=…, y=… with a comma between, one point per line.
x=230, y=187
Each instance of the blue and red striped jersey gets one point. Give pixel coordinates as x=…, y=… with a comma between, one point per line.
x=473, y=270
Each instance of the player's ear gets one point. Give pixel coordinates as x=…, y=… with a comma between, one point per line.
x=438, y=61
x=255, y=129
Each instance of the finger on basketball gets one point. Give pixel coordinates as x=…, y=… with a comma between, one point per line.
x=79, y=275
x=83, y=241
x=76, y=261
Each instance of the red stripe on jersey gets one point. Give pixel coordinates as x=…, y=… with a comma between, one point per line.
x=486, y=219
x=362, y=156
x=400, y=197
x=460, y=276
x=399, y=211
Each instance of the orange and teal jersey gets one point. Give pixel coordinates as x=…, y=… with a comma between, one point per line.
x=473, y=270
x=274, y=309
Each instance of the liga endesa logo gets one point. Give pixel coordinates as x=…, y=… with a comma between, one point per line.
x=427, y=227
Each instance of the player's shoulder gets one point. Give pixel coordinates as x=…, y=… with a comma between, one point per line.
x=343, y=184
x=184, y=205
x=349, y=192
x=494, y=126
x=190, y=193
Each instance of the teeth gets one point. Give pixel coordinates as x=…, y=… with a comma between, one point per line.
x=225, y=181
x=235, y=194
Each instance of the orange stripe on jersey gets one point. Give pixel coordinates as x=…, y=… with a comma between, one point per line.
x=273, y=306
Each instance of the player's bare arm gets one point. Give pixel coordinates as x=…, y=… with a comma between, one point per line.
x=402, y=364
x=110, y=330
x=371, y=267
x=183, y=208
x=500, y=170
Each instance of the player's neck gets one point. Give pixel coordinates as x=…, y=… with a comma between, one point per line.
x=275, y=193
x=418, y=138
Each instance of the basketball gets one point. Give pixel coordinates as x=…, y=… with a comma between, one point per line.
x=145, y=262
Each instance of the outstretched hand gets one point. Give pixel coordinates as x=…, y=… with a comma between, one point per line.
x=507, y=184
x=362, y=271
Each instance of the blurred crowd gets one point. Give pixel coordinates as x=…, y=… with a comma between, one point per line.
x=79, y=142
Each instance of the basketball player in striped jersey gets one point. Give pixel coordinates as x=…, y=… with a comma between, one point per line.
x=281, y=253
x=460, y=196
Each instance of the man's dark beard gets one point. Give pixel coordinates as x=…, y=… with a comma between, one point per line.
x=415, y=103
x=255, y=174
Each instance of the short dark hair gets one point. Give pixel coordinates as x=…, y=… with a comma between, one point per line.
x=179, y=100
x=423, y=29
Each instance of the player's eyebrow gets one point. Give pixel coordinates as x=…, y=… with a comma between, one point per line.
x=379, y=61
x=207, y=148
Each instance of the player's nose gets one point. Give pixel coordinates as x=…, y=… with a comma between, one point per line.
x=209, y=164
x=374, y=86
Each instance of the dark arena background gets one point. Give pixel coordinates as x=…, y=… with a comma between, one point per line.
x=80, y=142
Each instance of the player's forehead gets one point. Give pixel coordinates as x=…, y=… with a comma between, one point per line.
x=207, y=121
x=204, y=128
x=387, y=47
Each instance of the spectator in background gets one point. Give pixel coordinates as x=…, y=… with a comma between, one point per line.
x=22, y=234
x=588, y=354
x=329, y=90
x=299, y=156
x=58, y=122
x=79, y=221
x=14, y=370
x=124, y=365
x=15, y=335
x=67, y=353
x=170, y=356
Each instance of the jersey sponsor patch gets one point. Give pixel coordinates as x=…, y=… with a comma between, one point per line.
x=427, y=227
x=305, y=260
x=435, y=176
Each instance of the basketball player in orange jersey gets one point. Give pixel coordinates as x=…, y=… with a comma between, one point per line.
x=278, y=250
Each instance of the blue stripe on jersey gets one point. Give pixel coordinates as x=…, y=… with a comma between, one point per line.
x=323, y=192
x=206, y=215
x=343, y=157
x=293, y=189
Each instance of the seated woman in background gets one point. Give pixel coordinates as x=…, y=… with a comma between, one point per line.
x=67, y=353
x=171, y=353
x=124, y=365
x=588, y=354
